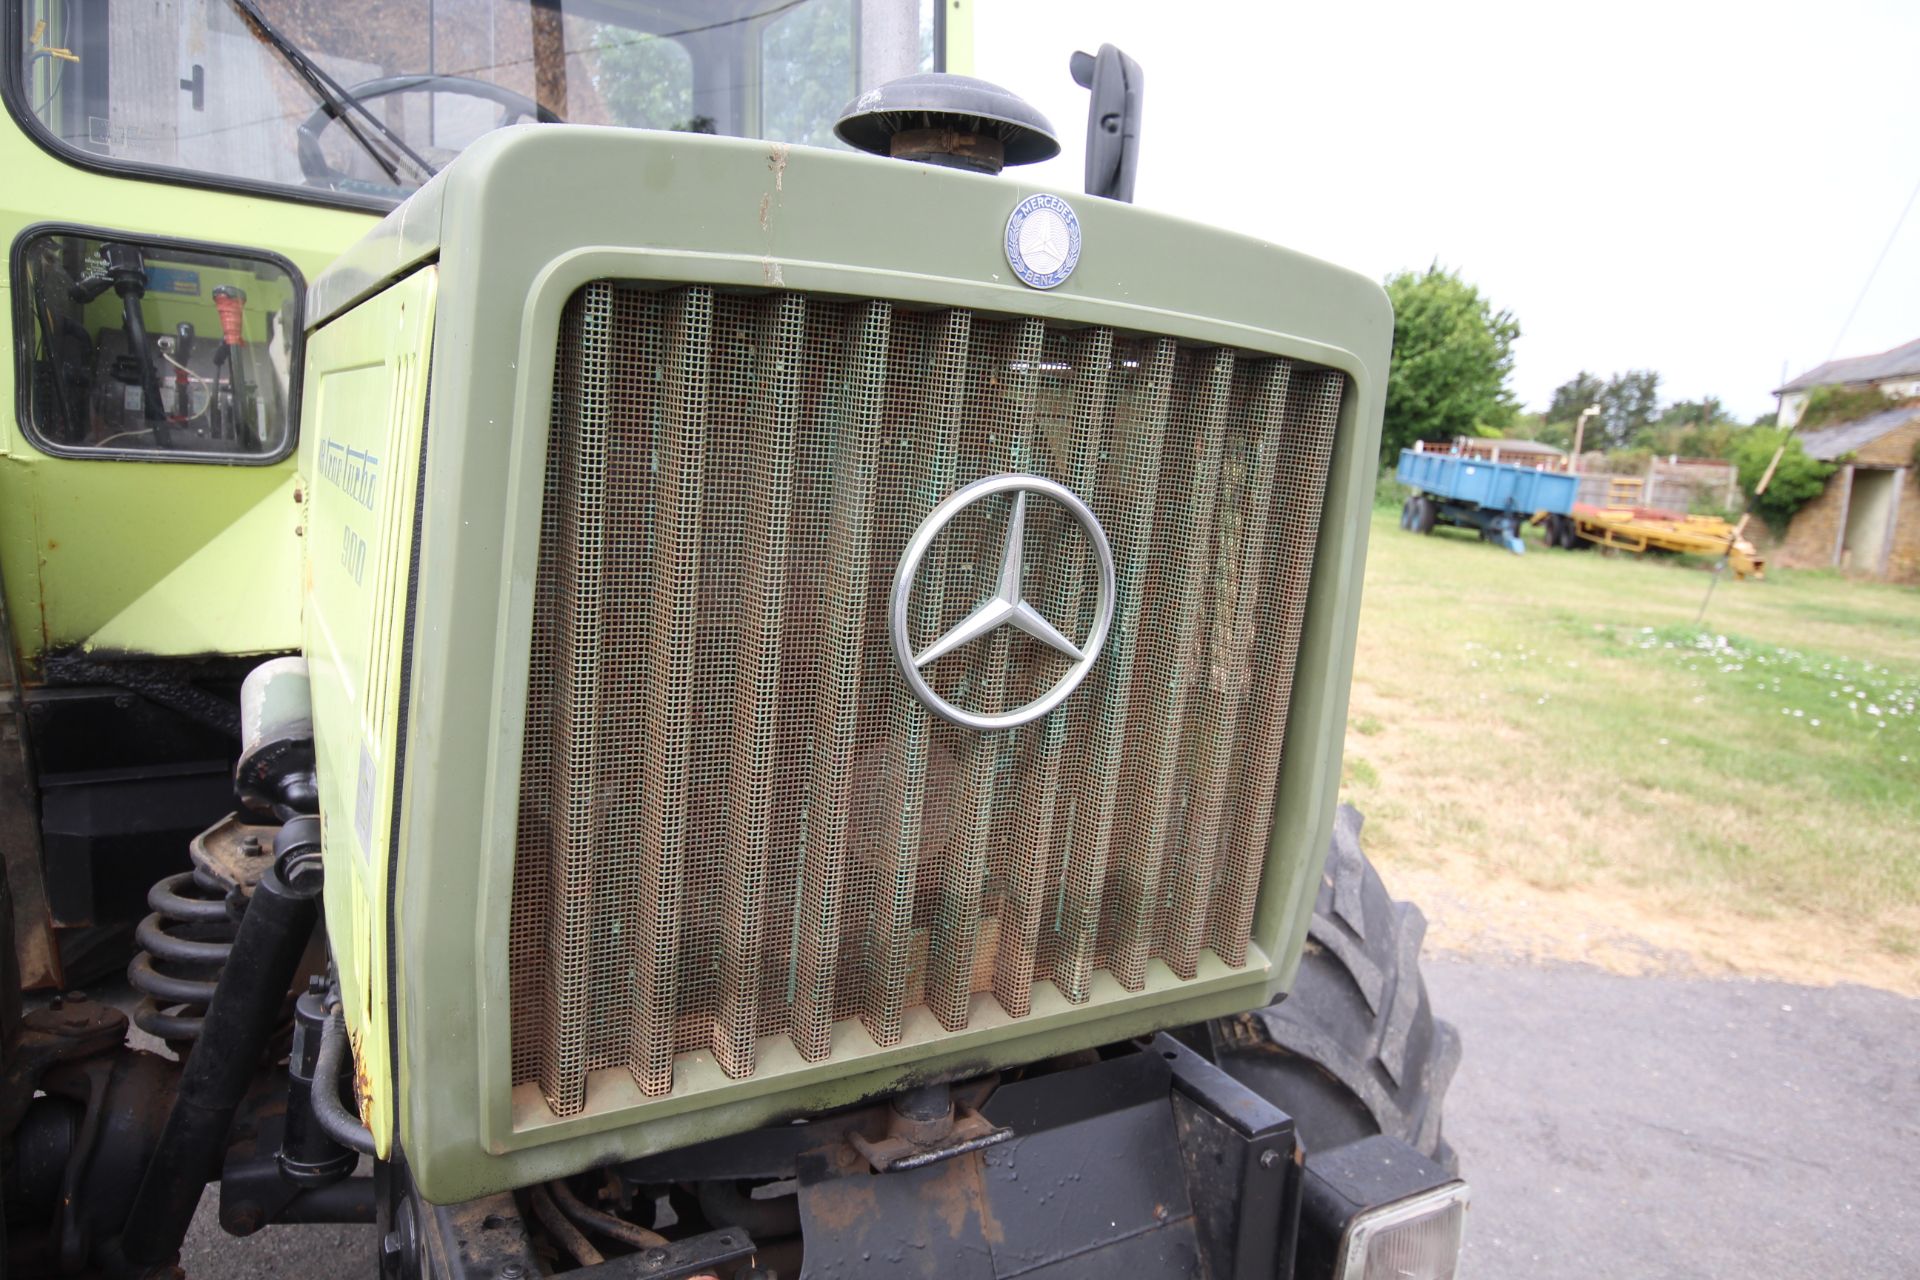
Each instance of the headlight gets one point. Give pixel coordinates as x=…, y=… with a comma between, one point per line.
x=1414, y=1239
x=1377, y=1209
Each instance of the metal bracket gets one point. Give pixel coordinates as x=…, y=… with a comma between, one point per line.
x=923, y=1126
x=969, y=1131
x=68, y=1028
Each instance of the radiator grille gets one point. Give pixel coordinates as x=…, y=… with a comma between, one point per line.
x=737, y=822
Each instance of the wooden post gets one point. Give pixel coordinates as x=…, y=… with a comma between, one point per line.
x=1766, y=477
x=549, y=56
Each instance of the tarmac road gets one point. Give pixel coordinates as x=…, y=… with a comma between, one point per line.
x=1610, y=1127
x=1637, y=1127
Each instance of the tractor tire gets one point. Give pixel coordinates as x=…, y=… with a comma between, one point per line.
x=1406, y=513
x=1354, y=1049
x=1427, y=516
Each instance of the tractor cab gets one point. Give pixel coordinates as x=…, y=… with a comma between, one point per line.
x=178, y=173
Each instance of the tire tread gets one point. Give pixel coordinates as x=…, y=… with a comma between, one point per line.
x=1359, y=1015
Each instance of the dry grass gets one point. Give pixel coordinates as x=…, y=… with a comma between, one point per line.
x=1555, y=762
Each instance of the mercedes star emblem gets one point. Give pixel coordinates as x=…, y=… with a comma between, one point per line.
x=1006, y=607
x=1043, y=240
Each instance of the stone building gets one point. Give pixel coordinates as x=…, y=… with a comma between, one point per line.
x=1867, y=519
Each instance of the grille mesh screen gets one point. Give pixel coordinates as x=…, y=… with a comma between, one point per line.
x=737, y=821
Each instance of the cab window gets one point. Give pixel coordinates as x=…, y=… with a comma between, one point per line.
x=154, y=350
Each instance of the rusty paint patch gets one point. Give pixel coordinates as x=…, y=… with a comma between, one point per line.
x=33, y=940
x=845, y=1204
x=777, y=162
x=960, y=1192
x=362, y=1082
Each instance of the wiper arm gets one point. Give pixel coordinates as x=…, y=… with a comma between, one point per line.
x=339, y=103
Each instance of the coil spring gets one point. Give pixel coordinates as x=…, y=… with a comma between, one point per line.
x=183, y=946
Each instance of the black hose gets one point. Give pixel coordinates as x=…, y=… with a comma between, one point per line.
x=156, y=681
x=563, y=1231
x=726, y=1205
x=246, y=1007
x=335, y=1121
x=309, y=1155
x=605, y=1223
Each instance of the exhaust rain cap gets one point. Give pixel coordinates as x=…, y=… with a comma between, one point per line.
x=954, y=121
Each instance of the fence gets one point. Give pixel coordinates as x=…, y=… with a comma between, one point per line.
x=1669, y=484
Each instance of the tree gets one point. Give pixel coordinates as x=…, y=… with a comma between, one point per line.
x=1692, y=413
x=1571, y=398
x=645, y=80
x=1452, y=355
x=1628, y=402
x=1557, y=434
x=1695, y=429
x=1628, y=406
x=808, y=55
x=1796, y=481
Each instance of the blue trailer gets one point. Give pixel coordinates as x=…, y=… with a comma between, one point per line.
x=1479, y=493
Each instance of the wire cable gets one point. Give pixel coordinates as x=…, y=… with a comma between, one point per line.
x=643, y=37
x=1878, y=262
x=1832, y=351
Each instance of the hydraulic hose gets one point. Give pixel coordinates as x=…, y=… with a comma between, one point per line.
x=564, y=1231
x=246, y=1006
x=335, y=1120
x=605, y=1223
x=725, y=1203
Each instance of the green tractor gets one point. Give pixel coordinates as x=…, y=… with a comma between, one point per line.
x=653, y=668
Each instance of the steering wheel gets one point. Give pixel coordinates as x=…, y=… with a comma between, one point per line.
x=313, y=161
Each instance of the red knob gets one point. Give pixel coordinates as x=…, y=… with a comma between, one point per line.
x=231, y=304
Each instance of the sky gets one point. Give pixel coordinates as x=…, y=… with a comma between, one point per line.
x=1696, y=188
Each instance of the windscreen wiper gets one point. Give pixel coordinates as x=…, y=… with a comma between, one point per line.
x=339, y=103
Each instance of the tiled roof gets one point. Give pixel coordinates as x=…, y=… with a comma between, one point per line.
x=1898, y=363
x=1829, y=443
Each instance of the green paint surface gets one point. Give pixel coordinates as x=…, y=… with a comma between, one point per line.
x=675, y=208
x=360, y=461
x=130, y=555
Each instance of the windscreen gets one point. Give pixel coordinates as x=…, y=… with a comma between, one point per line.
x=365, y=99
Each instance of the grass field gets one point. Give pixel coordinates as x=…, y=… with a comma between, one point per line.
x=1553, y=759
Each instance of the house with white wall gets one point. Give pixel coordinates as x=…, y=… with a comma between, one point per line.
x=1896, y=373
